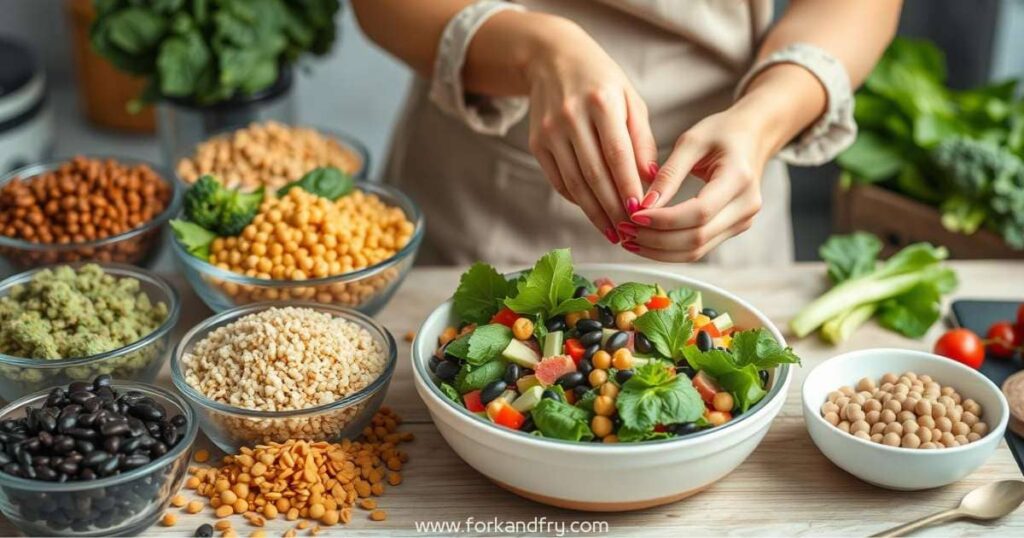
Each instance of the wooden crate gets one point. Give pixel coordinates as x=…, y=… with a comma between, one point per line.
x=899, y=221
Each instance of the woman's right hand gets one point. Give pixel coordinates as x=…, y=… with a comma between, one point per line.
x=589, y=128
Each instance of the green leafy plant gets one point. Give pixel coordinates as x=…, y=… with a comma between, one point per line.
x=219, y=209
x=547, y=290
x=957, y=150
x=627, y=295
x=656, y=395
x=559, y=420
x=208, y=51
x=480, y=293
x=326, y=182
x=193, y=237
x=482, y=345
x=669, y=329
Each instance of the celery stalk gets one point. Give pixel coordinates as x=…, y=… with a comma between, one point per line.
x=851, y=294
x=840, y=328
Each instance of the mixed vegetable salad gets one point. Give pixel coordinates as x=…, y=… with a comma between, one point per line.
x=553, y=354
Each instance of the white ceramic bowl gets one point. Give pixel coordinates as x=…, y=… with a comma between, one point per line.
x=895, y=467
x=578, y=475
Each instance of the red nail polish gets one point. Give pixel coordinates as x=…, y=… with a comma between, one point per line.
x=613, y=237
x=632, y=205
x=630, y=246
x=627, y=228
x=642, y=220
x=652, y=169
x=650, y=199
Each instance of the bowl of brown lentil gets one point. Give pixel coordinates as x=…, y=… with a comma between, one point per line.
x=354, y=252
x=96, y=208
x=271, y=372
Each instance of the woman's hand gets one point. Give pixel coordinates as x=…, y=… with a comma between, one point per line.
x=728, y=152
x=589, y=129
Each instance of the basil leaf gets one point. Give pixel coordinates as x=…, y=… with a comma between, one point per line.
x=559, y=420
x=548, y=288
x=669, y=329
x=472, y=377
x=655, y=395
x=326, y=182
x=480, y=293
x=742, y=381
x=627, y=295
x=759, y=347
x=683, y=296
x=482, y=345
x=450, y=393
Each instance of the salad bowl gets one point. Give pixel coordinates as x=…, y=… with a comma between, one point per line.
x=576, y=475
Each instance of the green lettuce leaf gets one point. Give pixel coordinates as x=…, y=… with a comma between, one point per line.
x=656, y=395
x=480, y=293
x=668, y=329
x=559, y=420
x=627, y=296
x=472, y=377
x=482, y=345
x=548, y=288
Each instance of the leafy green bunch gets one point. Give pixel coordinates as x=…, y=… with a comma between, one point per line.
x=956, y=150
x=209, y=51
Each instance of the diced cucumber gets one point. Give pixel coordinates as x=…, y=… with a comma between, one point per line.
x=698, y=302
x=524, y=383
x=723, y=322
x=509, y=396
x=606, y=334
x=521, y=354
x=553, y=343
x=528, y=399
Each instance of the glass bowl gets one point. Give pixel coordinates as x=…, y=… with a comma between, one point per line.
x=138, y=246
x=123, y=504
x=366, y=290
x=138, y=361
x=231, y=427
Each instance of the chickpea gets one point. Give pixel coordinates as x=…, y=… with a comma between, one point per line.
x=622, y=359
x=894, y=427
x=609, y=389
x=624, y=320
x=604, y=406
x=888, y=416
x=598, y=377
x=872, y=417
x=522, y=329
x=892, y=439
x=603, y=289
x=717, y=418
x=601, y=360
x=832, y=418
x=860, y=426
x=866, y=383
x=601, y=425
x=640, y=310
x=572, y=318
x=944, y=424
x=878, y=427
x=910, y=440
x=723, y=402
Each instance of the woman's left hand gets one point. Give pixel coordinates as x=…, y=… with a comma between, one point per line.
x=728, y=152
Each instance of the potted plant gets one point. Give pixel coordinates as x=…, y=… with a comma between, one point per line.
x=212, y=65
x=932, y=163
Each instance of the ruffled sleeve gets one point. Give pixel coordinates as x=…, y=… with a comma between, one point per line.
x=836, y=129
x=483, y=114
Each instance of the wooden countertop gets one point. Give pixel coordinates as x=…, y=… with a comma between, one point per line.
x=786, y=487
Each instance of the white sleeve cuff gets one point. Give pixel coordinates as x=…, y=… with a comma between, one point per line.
x=483, y=114
x=836, y=129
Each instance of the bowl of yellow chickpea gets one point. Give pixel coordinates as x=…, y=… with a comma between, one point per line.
x=353, y=251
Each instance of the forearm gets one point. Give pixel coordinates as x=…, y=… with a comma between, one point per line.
x=497, y=57
x=787, y=97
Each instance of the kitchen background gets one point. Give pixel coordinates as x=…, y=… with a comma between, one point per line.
x=981, y=38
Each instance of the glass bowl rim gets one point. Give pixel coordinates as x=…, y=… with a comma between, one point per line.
x=414, y=214
x=33, y=170
x=233, y=314
x=191, y=431
x=120, y=270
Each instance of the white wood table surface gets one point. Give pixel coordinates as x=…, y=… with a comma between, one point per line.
x=786, y=487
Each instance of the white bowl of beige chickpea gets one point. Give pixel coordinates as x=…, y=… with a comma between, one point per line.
x=903, y=419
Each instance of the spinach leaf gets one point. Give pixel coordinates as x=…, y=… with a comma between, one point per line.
x=482, y=345
x=668, y=329
x=633, y=435
x=759, y=348
x=450, y=393
x=683, y=296
x=850, y=256
x=627, y=295
x=194, y=238
x=559, y=420
x=656, y=395
x=740, y=380
x=548, y=289
x=480, y=293
x=325, y=182
x=472, y=377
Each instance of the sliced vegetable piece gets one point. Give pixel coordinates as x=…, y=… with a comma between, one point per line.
x=551, y=368
x=528, y=399
x=506, y=317
x=658, y=302
x=575, y=349
x=706, y=386
x=472, y=401
x=553, y=343
x=503, y=414
x=520, y=353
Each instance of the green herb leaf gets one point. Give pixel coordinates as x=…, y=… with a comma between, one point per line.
x=548, y=288
x=326, y=182
x=472, y=377
x=484, y=344
x=480, y=293
x=759, y=348
x=668, y=329
x=627, y=295
x=559, y=420
x=450, y=393
x=850, y=256
x=742, y=381
x=683, y=296
x=655, y=395
x=194, y=238
x=633, y=435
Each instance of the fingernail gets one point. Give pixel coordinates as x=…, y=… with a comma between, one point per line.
x=630, y=246
x=650, y=199
x=609, y=232
x=642, y=220
x=652, y=169
x=627, y=228
x=632, y=205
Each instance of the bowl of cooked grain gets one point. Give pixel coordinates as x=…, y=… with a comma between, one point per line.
x=271, y=372
x=353, y=252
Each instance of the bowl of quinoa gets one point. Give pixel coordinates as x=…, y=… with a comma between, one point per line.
x=65, y=323
x=271, y=372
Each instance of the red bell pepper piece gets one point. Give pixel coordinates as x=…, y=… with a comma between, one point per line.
x=506, y=317
x=593, y=298
x=658, y=303
x=472, y=401
x=508, y=417
x=574, y=348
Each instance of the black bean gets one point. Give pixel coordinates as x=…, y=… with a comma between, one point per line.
x=512, y=373
x=606, y=317
x=447, y=370
x=62, y=444
x=82, y=433
x=79, y=386
x=616, y=341
x=114, y=427
x=528, y=425
x=88, y=420
x=4, y=459
x=110, y=466
x=136, y=460
x=179, y=421
x=102, y=380
x=95, y=458
x=591, y=338
x=584, y=326
x=686, y=370
x=136, y=427
x=12, y=468
x=131, y=445
x=45, y=473
x=67, y=422
x=93, y=405
x=641, y=343
x=580, y=291
x=24, y=459
x=580, y=390
x=169, y=434
x=710, y=312
x=81, y=398
x=590, y=351
x=684, y=428
x=704, y=341
x=556, y=323
x=68, y=467
x=204, y=531
x=112, y=444
x=492, y=390
x=147, y=411
x=87, y=474
x=84, y=446
x=551, y=395
x=32, y=444
x=763, y=375
x=570, y=380
x=585, y=367
x=157, y=450
x=623, y=375
x=432, y=363
x=41, y=460
x=106, y=394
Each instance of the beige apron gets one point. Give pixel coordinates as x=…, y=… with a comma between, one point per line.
x=486, y=198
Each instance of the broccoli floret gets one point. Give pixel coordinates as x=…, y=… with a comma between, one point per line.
x=218, y=209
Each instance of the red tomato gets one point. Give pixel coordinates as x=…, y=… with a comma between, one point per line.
x=712, y=331
x=706, y=386
x=593, y=298
x=506, y=317
x=472, y=401
x=962, y=346
x=660, y=428
x=508, y=417
x=1002, y=339
x=658, y=303
x=575, y=350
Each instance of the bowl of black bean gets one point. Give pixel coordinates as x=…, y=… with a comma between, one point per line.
x=98, y=458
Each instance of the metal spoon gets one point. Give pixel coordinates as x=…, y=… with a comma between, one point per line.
x=991, y=501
